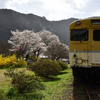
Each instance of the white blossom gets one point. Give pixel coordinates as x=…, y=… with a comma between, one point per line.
x=26, y=39
x=48, y=37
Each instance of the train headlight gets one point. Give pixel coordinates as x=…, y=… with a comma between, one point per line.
x=78, y=23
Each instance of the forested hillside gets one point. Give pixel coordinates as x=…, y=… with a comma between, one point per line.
x=12, y=20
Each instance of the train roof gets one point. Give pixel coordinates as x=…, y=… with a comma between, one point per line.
x=85, y=23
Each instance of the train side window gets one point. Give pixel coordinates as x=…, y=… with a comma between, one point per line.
x=79, y=35
x=96, y=35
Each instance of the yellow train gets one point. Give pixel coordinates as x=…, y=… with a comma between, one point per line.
x=84, y=48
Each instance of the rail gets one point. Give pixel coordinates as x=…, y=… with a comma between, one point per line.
x=87, y=92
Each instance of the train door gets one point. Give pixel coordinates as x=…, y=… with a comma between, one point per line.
x=95, y=47
x=79, y=46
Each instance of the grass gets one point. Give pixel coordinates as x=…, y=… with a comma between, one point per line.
x=56, y=87
x=5, y=81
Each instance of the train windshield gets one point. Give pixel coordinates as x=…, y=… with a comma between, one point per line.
x=79, y=35
x=96, y=35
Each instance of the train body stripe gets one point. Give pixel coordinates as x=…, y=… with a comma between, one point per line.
x=81, y=66
x=85, y=51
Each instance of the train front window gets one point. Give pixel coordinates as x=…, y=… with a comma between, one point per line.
x=95, y=22
x=96, y=35
x=79, y=35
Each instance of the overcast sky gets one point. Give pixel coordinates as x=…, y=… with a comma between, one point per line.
x=55, y=9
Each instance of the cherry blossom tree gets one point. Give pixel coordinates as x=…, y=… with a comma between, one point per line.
x=57, y=50
x=28, y=40
x=47, y=37
x=36, y=43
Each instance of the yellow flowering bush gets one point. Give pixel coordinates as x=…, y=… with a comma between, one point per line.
x=35, y=59
x=7, y=61
x=21, y=62
x=10, y=61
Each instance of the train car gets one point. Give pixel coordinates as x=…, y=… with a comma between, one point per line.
x=84, y=48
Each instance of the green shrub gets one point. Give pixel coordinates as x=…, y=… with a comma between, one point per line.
x=23, y=83
x=2, y=95
x=11, y=92
x=62, y=64
x=45, y=67
x=10, y=72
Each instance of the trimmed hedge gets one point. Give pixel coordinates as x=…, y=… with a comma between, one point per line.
x=62, y=64
x=45, y=67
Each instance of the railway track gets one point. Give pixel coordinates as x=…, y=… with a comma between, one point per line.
x=92, y=91
x=81, y=91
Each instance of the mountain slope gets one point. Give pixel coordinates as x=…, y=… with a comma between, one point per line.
x=12, y=20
